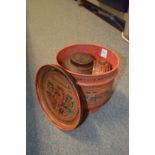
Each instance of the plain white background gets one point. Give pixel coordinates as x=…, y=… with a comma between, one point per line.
x=13, y=77
x=141, y=79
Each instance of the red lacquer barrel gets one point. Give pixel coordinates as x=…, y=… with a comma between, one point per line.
x=97, y=89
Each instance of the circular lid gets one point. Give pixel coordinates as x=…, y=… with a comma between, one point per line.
x=58, y=97
x=81, y=58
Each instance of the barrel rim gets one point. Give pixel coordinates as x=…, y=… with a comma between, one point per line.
x=90, y=75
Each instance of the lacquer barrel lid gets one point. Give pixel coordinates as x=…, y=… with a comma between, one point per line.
x=81, y=58
x=79, y=62
x=58, y=97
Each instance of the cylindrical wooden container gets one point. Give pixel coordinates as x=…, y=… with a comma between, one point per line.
x=97, y=89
